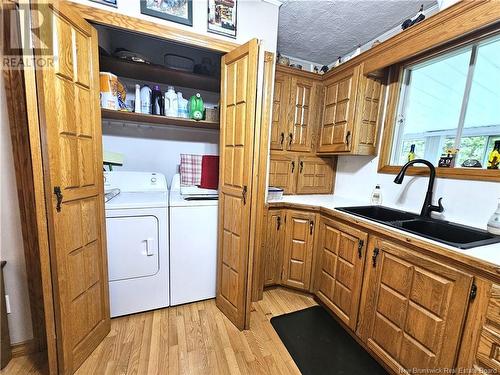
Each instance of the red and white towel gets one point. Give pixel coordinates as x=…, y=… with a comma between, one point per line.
x=200, y=170
x=190, y=169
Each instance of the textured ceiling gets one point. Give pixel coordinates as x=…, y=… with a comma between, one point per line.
x=321, y=30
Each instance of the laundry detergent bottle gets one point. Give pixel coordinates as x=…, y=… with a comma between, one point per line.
x=196, y=107
x=171, y=102
x=183, y=106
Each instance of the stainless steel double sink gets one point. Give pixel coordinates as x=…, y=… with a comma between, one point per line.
x=453, y=234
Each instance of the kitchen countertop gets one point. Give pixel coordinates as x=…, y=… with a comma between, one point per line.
x=487, y=253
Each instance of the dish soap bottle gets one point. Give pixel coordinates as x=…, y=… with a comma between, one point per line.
x=411, y=154
x=377, y=195
x=494, y=222
x=494, y=157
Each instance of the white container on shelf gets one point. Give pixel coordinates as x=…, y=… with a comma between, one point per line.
x=137, y=105
x=183, y=106
x=171, y=102
x=274, y=193
x=146, y=99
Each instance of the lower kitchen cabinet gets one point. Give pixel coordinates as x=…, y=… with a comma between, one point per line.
x=341, y=252
x=298, y=249
x=273, y=246
x=414, y=307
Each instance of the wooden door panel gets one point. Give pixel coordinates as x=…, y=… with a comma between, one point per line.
x=418, y=311
x=238, y=91
x=315, y=175
x=275, y=229
x=283, y=172
x=338, y=113
x=280, y=111
x=68, y=99
x=297, y=260
x=341, y=252
x=301, y=121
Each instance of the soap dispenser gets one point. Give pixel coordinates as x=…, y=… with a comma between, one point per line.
x=377, y=195
x=494, y=222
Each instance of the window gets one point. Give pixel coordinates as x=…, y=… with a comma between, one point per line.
x=450, y=101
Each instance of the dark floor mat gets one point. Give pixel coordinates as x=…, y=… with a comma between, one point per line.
x=319, y=345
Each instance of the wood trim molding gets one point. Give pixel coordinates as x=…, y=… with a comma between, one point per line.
x=18, y=123
x=129, y=23
x=265, y=123
x=298, y=72
x=24, y=348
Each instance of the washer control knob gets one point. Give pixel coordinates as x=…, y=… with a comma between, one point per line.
x=153, y=180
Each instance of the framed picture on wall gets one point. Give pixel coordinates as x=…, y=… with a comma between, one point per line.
x=180, y=11
x=222, y=17
x=111, y=3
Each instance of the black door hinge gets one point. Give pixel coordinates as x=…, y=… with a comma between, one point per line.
x=473, y=291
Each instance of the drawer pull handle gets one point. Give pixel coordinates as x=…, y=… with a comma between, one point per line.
x=311, y=226
x=293, y=166
x=348, y=137
x=375, y=255
x=278, y=223
x=360, y=248
x=282, y=138
x=301, y=166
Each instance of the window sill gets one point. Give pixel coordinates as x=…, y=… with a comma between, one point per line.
x=478, y=174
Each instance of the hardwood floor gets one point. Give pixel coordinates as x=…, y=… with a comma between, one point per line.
x=190, y=339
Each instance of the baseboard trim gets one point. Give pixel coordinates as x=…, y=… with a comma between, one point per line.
x=24, y=348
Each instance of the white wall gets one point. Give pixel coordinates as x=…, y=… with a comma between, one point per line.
x=11, y=241
x=255, y=19
x=153, y=149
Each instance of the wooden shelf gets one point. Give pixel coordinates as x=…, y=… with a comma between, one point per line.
x=157, y=120
x=157, y=73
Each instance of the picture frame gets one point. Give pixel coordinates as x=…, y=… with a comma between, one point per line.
x=111, y=3
x=179, y=11
x=222, y=17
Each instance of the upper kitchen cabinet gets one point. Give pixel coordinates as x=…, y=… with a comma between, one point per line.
x=295, y=110
x=352, y=104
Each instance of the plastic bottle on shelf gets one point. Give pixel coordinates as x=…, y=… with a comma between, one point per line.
x=171, y=102
x=157, y=101
x=183, y=106
x=137, y=105
x=145, y=99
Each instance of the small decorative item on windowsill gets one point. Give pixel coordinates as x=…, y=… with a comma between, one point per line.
x=448, y=159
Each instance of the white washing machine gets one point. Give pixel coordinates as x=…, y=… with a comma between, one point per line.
x=193, y=244
x=137, y=239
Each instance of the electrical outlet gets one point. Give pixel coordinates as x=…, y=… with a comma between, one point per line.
x=7, y=303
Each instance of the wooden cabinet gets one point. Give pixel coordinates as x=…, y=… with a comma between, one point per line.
x=315, y=175
x=301, y=174
x=350, y=113
x=298, y=249
x=295, y=110
x=414, y=309
x=273, y=246
x=280, y=111
x=341, y=252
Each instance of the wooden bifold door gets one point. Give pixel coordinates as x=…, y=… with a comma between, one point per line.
x=236, y=180
x=70, y=127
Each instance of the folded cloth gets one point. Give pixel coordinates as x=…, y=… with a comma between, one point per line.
x=190, y=169
x=209, y=172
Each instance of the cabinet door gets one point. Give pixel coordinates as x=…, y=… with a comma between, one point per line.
x=341, y=256
x=298, y=249
x=338, y=112
x=301, y=113
x=370, y=98
x=273, y=248
x=279, y=125
x=415, y=309
x=314, y=175
x=283, y=172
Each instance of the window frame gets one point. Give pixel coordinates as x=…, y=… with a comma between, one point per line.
x=395, y=82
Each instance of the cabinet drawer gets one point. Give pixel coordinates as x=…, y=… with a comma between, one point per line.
x=488, y=351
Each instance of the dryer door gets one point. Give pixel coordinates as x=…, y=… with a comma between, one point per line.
x=132, y=246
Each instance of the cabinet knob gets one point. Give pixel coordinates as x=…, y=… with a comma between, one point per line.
x=311, y=226
x=348, y=137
